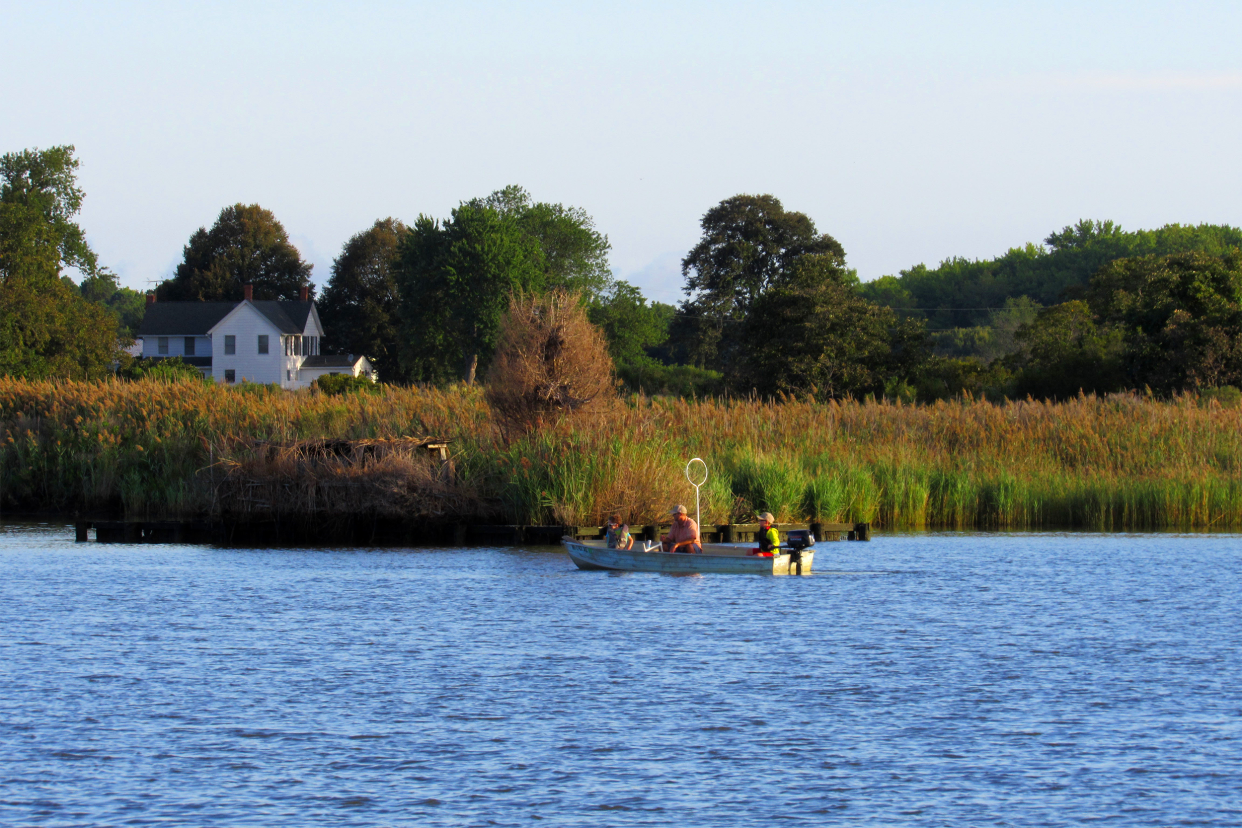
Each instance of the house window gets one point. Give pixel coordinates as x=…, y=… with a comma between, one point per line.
x=189, y=346
x=230, y=345
x=230, y=375
x=288, y=375
x=163, y=345
x=263, y=343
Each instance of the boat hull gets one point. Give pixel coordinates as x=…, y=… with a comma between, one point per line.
x=715, y=558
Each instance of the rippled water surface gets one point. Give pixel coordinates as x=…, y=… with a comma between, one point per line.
x=925, y=680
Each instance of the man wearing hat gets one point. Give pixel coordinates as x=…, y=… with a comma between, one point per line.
x=684, y=534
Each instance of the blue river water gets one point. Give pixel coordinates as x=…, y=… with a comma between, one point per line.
x=937, y=679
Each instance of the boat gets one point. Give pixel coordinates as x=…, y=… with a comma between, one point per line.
x=716, y=557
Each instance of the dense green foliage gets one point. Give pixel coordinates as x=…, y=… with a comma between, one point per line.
x=47, y=329
x=575, y=254
x=166, y=369
x=961, y=293
x=813, y=334
x=359, y=306
x=455, y=277
x=127, y=304
x=1170, y=323
x=338, y=384
x=246, y=246
x=749, y=246
x=637, y=332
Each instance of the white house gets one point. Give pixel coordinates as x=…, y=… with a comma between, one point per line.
x=268, y=341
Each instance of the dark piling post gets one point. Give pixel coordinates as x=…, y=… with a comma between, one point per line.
x=81, y=530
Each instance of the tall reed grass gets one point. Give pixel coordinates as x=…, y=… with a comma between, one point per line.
x=155, y=448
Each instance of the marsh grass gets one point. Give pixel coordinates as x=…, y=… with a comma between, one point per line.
x=155, y=448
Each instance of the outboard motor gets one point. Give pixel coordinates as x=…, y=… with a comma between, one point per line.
x=797, y=540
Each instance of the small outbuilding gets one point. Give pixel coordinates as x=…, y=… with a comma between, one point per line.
x=314, y=367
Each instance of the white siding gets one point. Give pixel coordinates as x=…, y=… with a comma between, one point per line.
x=176, y=346
x=246, y=323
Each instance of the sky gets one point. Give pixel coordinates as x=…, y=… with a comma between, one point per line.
x=911, y=132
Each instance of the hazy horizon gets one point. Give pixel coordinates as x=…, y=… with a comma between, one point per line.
x=909, y=133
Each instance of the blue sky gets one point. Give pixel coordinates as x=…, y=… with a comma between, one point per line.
x=911, y=132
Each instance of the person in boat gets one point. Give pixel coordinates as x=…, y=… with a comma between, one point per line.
x=769, y=539
x=618, y=534
x=684, y=534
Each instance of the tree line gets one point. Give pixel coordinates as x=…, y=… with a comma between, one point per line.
x=771, y=306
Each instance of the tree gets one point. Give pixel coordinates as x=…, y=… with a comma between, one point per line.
x=455, y=279
x=749, y=246
x=1064, y=351
x=962, y=293
x=126, y=304
x=246, y=246
x=360, y=304
x=632, y=326
x=575, y=254
x=1181, y=317
x=813, y=334
x=46, y=328
x=44, y=182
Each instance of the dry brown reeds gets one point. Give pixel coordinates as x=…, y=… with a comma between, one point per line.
x=389, y=478
x=550, y=362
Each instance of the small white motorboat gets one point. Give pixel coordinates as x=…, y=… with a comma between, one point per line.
x=795, y=559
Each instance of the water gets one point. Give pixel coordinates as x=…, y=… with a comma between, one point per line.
x=933, y=680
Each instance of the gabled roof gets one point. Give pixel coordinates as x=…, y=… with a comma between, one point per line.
x=197, y=318
x=289, y=317
x=182, y=318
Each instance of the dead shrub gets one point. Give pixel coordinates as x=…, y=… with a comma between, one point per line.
x=550, y=361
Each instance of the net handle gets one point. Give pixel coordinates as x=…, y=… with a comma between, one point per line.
x=693, y=460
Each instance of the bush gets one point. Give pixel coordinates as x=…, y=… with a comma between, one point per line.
x=550, y=361
x=1226, y=396
x=338, y=384
x=170, y=370
x=653, y=378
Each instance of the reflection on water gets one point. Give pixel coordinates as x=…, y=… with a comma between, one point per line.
x=923, y=680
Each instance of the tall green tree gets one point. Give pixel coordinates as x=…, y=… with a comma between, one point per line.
x=455, y=279
x=360, y=303
x=814, y=334
x=750, y=245
x=246, y=245
x=575, y=253
x=44, y=183
x=47, y=329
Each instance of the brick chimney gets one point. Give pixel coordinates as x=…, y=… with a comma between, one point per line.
x=304, y=293
x=150, y=298
x=248, y=292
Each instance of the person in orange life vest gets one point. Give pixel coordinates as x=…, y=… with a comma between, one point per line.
x=684, y=534
x=768, y=538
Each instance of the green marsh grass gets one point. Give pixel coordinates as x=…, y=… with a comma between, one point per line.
x=163, y=449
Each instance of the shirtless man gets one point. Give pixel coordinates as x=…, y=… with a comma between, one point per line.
x=684, y=534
